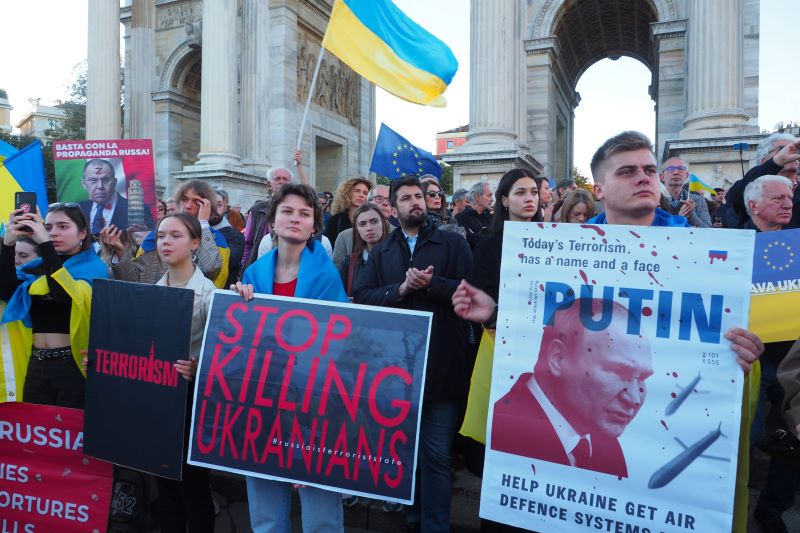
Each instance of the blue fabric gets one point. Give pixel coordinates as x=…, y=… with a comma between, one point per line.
x=6, y=150
x=407, y=39
x=662, y=219
x=317, y=279
x=394, y=157
x=271, y=506
x=85, y=266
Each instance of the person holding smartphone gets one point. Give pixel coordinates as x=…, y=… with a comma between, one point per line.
x=49, y=301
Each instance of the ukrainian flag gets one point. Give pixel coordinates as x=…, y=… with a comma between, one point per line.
x=381, y=43
x=775, y=291
x=696, y=184
x=22, y=171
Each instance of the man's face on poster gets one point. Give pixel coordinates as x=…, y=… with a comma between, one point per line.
x=606, y=380
x=99, y=182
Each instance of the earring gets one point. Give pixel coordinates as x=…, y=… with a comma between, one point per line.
x=194, y=256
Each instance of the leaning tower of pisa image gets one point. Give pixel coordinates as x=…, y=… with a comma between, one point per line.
x=135, y=203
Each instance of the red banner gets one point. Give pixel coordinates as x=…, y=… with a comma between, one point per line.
x=46, y=483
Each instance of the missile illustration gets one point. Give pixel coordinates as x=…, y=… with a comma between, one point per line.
x=681, y=397
x=680, y=462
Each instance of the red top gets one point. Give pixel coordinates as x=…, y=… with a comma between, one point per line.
x=284, y=289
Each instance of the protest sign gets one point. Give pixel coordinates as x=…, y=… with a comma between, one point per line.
x=312, y=392
x=776, y=285
x=46, y=482
x=112, y=179
x=135, y=399
x=615, y=401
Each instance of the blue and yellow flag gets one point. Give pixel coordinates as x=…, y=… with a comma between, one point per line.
x=696, y=184
x=775, y=292
x=6, y=150
x=22, y=171
x=381, y=43
x=394, y=157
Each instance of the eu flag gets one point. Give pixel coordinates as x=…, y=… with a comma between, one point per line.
x=775, y=290
x=394, y=157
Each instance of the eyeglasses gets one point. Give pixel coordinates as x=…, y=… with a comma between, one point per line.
x=94, y=182
x=67, y=205
x=673, y=169
x=379, y=199
x=434, y=194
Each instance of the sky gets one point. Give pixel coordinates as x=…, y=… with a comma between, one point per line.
x=613, y=93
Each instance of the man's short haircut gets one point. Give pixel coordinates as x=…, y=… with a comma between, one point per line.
x=460, y=194
x=103, y=162
x=627, y=141
x=408, y=181
x=564, y=184
x=223, y=193
x=565, y=325
x=303, y=191
x=664, y=164
x=271, y=173
x=766, y=144
x=476, y=190
x=755, y=189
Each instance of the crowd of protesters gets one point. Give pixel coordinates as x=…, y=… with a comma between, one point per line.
x=402, y=246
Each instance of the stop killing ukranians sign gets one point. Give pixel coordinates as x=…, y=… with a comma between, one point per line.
x=319, y=393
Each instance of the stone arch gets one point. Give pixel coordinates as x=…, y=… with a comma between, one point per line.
x=175, y=67
x=544, y=24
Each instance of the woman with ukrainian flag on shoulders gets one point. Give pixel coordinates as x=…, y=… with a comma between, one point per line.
x=48, y=304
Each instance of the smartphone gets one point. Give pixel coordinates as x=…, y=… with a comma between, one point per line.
x=25, y=201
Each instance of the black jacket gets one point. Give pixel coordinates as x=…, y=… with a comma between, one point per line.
x=476, y=225
x=337, y=224
x=449, y=369
x=486, y=265
x=236, y=245
x=736, y=216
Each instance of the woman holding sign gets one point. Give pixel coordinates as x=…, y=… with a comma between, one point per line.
x=186, y=502
x=49, y=301
x=298, y=267
x=517, y=200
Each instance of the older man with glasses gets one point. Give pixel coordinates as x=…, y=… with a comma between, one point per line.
x=674, y=175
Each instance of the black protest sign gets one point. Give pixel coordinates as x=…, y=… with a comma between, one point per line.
x=135, y=399
x=319, y=393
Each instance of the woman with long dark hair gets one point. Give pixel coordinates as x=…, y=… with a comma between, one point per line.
x=370, y=229
x=186, y=502
x=545, y=199
x=297, y=267
x=435, y=203
x=516, y=200
x=49, y=301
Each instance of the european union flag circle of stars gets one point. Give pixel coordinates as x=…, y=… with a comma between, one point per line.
x=778, y=256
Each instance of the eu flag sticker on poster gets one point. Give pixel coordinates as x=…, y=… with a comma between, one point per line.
x=616, y=400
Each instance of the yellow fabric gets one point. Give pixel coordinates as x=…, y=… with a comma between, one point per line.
x=225, y=255
x=15, y=343
x=752, y=384
x=352, y=42
x=9, y=186
x=477, y=414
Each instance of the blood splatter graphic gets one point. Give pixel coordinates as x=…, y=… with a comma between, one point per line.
x=654, y=279
x=641, y=245
x=533, y=467
x=520, y=256
x=727, y=309
x=541, y=287
x=674, y=374
x=540, y=225
x=597, y=229
x=673, y=395
x=675, y=257
x=605, y=241
x=654, y=253
x=665, y=425
x=646, y=311
x=585, y=279
x=636, y=235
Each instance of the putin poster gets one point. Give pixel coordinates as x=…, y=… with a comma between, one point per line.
x=616, y=399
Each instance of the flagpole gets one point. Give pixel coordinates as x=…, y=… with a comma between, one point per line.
x=309, y=97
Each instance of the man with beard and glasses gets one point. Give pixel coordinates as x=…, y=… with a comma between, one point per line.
x=419, y=267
